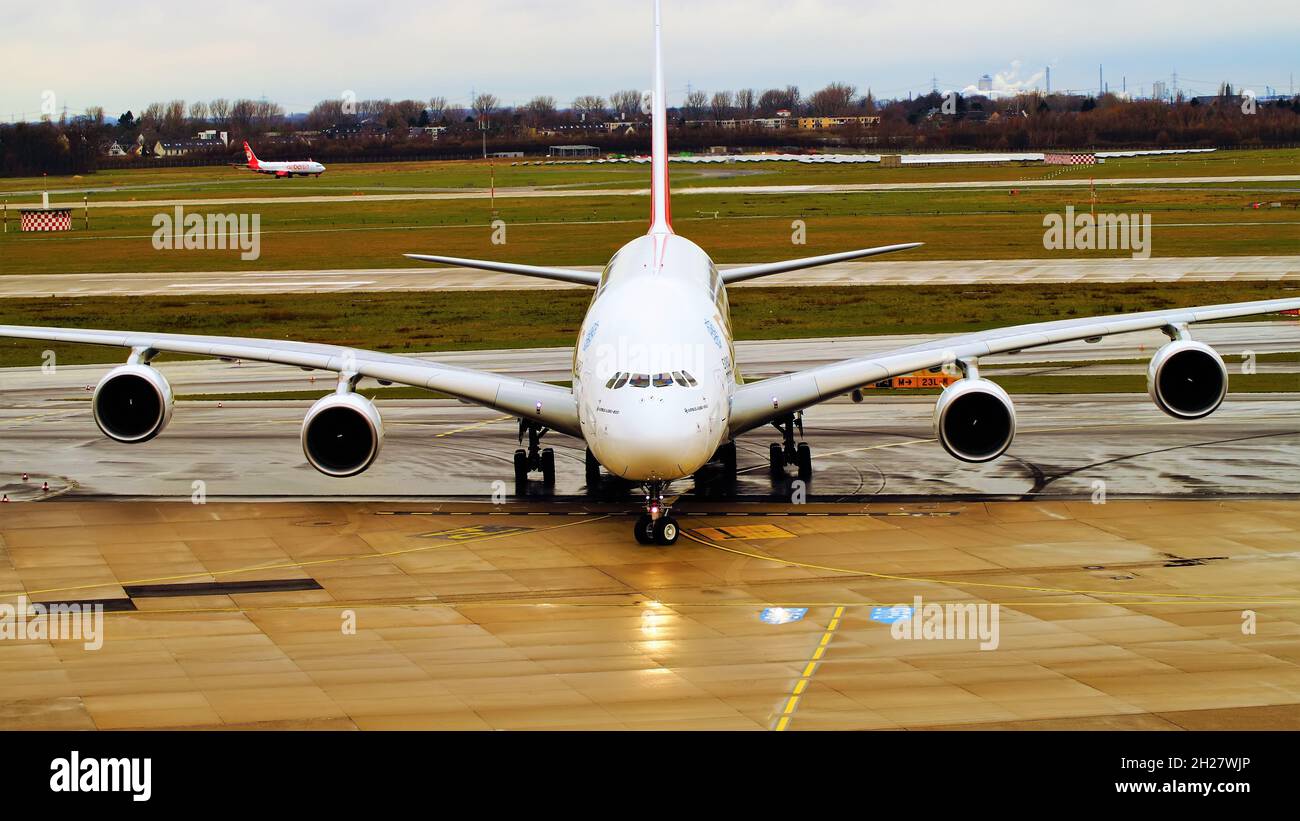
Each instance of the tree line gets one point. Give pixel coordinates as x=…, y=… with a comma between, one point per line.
x=361, y=128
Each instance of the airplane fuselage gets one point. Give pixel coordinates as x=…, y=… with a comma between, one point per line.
x=654, y=366
x=290, y=169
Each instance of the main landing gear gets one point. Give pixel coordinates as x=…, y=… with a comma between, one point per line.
x=726, y=457
x=787, y=453
x=717, y=477
x=535, y=458
x=655, y=526
x=593, y=472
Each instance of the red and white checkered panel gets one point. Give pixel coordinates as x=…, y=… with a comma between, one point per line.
x=1070, y=159
x=56, y=219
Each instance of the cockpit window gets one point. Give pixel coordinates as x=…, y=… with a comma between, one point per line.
x=645, y=380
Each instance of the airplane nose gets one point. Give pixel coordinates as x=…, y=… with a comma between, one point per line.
x=653, y=445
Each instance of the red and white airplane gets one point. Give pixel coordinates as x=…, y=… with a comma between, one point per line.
x=301, y=168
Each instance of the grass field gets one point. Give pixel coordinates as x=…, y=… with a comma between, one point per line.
x=345, y=178
x=999, y=223
x=468, y=320
x=954, y=224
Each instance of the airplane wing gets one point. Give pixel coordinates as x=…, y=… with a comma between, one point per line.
x=550, y=405
x=561, y=274
x=757, y=403
x=743, y=273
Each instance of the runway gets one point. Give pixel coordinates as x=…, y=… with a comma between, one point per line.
x=1280, y=269
x=536, y=192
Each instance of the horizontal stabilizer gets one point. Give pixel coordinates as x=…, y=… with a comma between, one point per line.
x=561, y=274
x=754, y=271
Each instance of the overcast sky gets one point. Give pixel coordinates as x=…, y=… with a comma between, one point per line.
x=125, y=55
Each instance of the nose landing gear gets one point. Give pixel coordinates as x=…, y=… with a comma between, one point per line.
x=787, y=453
x=535, y=458
x=655, y=526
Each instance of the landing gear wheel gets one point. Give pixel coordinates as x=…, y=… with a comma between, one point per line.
x=803, y=458
x=665, y=530
x=521, y=469
x=644, y=529
x=593, y=471
x=728, y=452
x=776, y=460
x=548, y=466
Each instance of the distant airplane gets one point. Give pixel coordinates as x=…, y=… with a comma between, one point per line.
x=300, y=168
x=656, y=394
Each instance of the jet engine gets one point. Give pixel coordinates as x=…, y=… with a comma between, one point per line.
x=342, y=434
x=132, y=403
x=974, y=420
x=1187, y=379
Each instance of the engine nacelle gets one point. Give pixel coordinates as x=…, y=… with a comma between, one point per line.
x=1187, y=379
x=974, y=420
x=342, y=434
x=132, y=403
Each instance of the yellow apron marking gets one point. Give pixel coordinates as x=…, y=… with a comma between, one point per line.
x=792, y=701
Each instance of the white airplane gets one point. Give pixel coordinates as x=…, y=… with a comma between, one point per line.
x=290, y=168
x=656, y=394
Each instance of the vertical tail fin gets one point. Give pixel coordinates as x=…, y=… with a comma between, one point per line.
x=252, y=158
x=661, y=212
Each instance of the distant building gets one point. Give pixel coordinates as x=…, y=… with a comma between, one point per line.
x=573, y=151
x=348, y=131
x=342, y=132
x=1159, y=91
x=113, y=148
x=816, y=123
x=506, y=155
x=183, y=148
x=213, y=134
x=752, y=122
x=985, y=84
